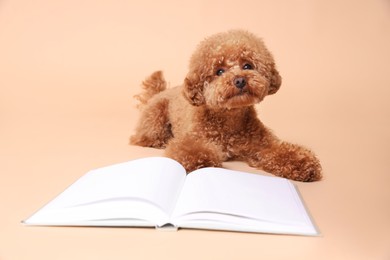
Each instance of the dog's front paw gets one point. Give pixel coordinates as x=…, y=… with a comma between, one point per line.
x=307, y=169
x=193, y=154
x=289, y=161
x=194, y=161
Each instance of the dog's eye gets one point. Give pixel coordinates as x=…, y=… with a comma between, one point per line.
x=220, y=72
x=247, y=66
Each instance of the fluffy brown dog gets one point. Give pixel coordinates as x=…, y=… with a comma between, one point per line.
x=211, y=118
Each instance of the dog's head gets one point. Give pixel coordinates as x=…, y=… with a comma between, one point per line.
x=231, y=70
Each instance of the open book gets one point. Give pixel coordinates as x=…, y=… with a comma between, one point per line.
x=156, y=192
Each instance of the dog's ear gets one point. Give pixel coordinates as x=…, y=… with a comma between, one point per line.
x=193, y=89
x=276, y=81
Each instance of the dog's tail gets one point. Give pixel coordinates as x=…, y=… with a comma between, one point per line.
x=152, y=85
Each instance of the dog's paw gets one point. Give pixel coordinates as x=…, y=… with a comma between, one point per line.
x=192, y=162
x=289, y=161
x=193, y=153
x=306, y=169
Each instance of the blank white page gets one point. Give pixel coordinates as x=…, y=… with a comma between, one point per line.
x=215, y=190
x=154, y=181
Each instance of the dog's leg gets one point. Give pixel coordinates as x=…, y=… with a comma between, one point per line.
x=154, y=129
x=194, y=153
x=288, y=160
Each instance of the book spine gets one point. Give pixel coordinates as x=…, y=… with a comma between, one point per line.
x=167, y=227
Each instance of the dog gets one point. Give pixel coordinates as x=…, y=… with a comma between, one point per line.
x=211, y=117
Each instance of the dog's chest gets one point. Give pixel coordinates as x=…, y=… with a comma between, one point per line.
x=231, y=131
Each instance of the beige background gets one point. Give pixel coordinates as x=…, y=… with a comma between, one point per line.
x=69, y=69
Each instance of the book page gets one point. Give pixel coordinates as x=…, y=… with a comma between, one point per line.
x=215, y=195
x=143, y=188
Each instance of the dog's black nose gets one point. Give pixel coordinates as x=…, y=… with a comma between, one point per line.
x=239, y=82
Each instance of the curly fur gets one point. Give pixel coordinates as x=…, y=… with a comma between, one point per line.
x=211, y=118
